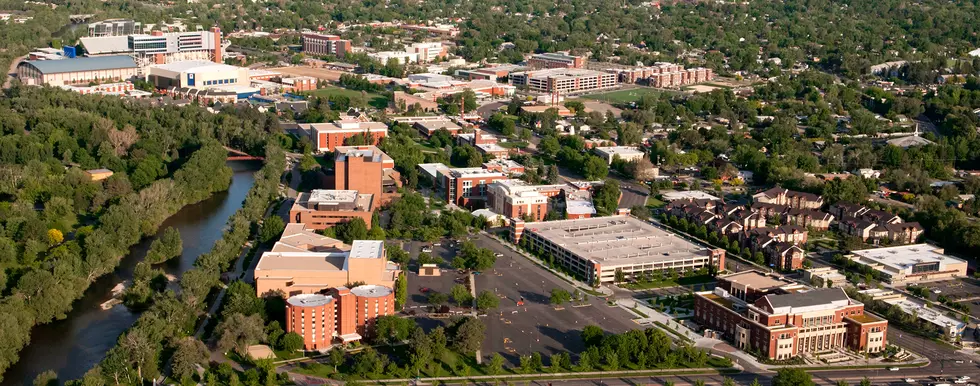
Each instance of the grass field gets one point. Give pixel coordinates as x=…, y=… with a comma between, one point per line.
x=623, y=96
x=374, y=100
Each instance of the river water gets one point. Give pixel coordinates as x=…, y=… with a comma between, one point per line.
x=74, y=345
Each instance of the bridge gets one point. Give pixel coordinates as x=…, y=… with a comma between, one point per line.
x=238, y=155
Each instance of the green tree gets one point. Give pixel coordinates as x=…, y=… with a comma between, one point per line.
x=238, y=331
x=560, y=296
x=788, y=376
x=437, y=298
x=467, y=334
x=592, y=335
x=291, y=342
x=272, y=227
x=495, y=366
x=189, y=354
x=166, y=247
x=595, y=168
x=461, y=295
x=486, y=300
x=401, y=291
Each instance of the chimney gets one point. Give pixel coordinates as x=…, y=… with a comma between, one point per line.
x=217, y=44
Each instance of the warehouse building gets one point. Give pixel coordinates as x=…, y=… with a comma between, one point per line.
x=77, y=71
x=595, y=248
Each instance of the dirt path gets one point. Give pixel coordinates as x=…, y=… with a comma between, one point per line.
x=13, y=68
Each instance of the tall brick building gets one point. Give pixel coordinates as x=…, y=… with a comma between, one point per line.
x=367, y=170
x=327, y=136
x=340, y=314
x=320, y=44
x=468, y=186
x=518, y=199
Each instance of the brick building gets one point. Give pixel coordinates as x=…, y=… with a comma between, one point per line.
x=327, y=136
x=340, y=314
x=787, y=321
x=322, y=209
x=320, y=44
x=367, y=170
x=468, y=186
x=556, y=60
x=518, y=199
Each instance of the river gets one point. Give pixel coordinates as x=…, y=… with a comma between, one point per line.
x=74, y=345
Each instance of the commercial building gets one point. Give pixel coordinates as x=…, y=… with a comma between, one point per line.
x=518, y=199
x=595, y=248
x=160, y=47
x=786, y=323
x=825, y=277
x=950, y=327
x=408, y=102
x=320, y=44
x=77, y=71
x=562, y=80
x=429, y=127
x=910, y=264
x=197, y=74
x=401, y=57
x=367, y=170
x=327, y=136
x=427, y=52
x=556, y=60
x=321, y=209
x=467, y=187
x=625, y=153
x=294, y=268
x=341, y=314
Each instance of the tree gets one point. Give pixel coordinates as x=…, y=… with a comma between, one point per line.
x=439, y=342
x=787, y=376
x=401, y=291
x=606, y=198
x=355, y=229
x=392, y=328
x=47, y=378
x=166, y=247
x=189, y=354
x=467, y=334
x=592, y=335
x=486, y=300
x=461, y=295
x=560, y=296
x=55, y=237
x=291, y=342
x=594, y=168
x=308, y=163
x=496, y=364
x=240, y=298
x=239, y=331
x=437, y=298
x=474, y=258
x=272, y=227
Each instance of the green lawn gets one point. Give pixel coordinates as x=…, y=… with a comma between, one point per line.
x=623, y=96
x=653, y=202
x=513, y=144
x=374, y=100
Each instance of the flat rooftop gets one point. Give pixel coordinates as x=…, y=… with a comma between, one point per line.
x=196, y=66
x=616, y=240
x=309, y=300
x=329, y=196
x=688, y=195
x=296, y=238
x=338, y=198
x=367, y=249
x=754, y=279
x=432, y=126
x=371, y=291
x=903, y=257
x=930, y=315
x=562, y=73
x=473, y=173
x=620, y=150
x=370, y=151
x=302, y=261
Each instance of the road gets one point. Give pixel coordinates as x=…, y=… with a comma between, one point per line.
x=9, y=77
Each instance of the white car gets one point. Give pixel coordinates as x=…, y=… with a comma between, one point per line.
x=959, y=381
x=893, y=369
x=965, y=377
x=937, y=291
x=909, y=380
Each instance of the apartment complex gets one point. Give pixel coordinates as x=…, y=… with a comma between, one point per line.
x=367, y=170
x=327, y=136
x=790, y=198
x=782, y=321
x=322, y=209
x=518, y=199
x=682, y=77
x=467, y=186
x=562, y=80
x=320, y=44
x=875, y=226
x=555, y=60
x=595, y=248
x=304, y=262
x=910, y=264
x=340, y=314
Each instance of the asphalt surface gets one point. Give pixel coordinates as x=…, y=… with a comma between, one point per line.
x=537, y=326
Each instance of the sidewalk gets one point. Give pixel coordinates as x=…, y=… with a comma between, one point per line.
x=575, y=282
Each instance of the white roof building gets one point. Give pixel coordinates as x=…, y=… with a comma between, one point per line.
x=625, y=153
x=688, y=195
x=908, y=264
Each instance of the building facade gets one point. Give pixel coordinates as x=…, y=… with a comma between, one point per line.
x=562, y=80
x=327, y=136
x=340, y=315
x=467, y=187
x=322, y=209
x=367, y=170
x=520, y=200
x=293, y=268
x=77, y=71
x=910, y=264
x=320, y=44
x=556, y=60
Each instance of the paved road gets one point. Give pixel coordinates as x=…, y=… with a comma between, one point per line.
x=488, y=109
x=10, y=72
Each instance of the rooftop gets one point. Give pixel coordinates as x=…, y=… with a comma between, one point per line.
x=105, y=45
x=559, y=73
x=196, y=66
x=806, y=301
x=620, y=150
x=432, y=126
x=82, y=64
x=689, y=195
x=321, y=196
x=473, y=173
x=616, y=240
x=865, y=318
x=367, y=249
x=754, y=279
x=903, y=257
x=371, y=291
x=309, y=300
x=296, y=238
x=370, y=151
x=333, y=200
x=303, y=261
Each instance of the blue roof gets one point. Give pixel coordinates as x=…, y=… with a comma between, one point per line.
x=95, y=63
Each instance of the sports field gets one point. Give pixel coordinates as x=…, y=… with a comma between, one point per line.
x=623, y=96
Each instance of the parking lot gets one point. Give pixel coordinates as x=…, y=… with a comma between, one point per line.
x=963, y=291
x=444, y=283
x=536, y=326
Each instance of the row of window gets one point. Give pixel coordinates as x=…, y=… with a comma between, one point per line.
x=219, y=81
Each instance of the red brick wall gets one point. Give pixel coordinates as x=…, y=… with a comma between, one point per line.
x=299, y=319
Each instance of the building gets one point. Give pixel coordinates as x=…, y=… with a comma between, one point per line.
x=792, y=199
x=321, y=209
x=518, y=199
x=428, y=52
x=408, y=102
x=506, y=166
x=197, y=74
x=595, y=248
x=875, y=226
x=555, y=60
x=429, y=127
x=562, y=81
x=320, y=44
x=298, y=268
x=625, y=153
x=752, y=285
x=432, y=174
x=824, y=277
x=327, y=136
x=688, y=195
x=910, y=264
x=951, y=327
x=98, y=174
x=467, y=187
x=401, y=57
x=114, y=27
x=77, y=71
x=367, y=170
x=343, y=315
x=577, y=204
x=680, y=78
x=784, y=324
x=160, y=47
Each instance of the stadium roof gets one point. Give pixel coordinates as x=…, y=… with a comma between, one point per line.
x=105, y=45
x=82, y=64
